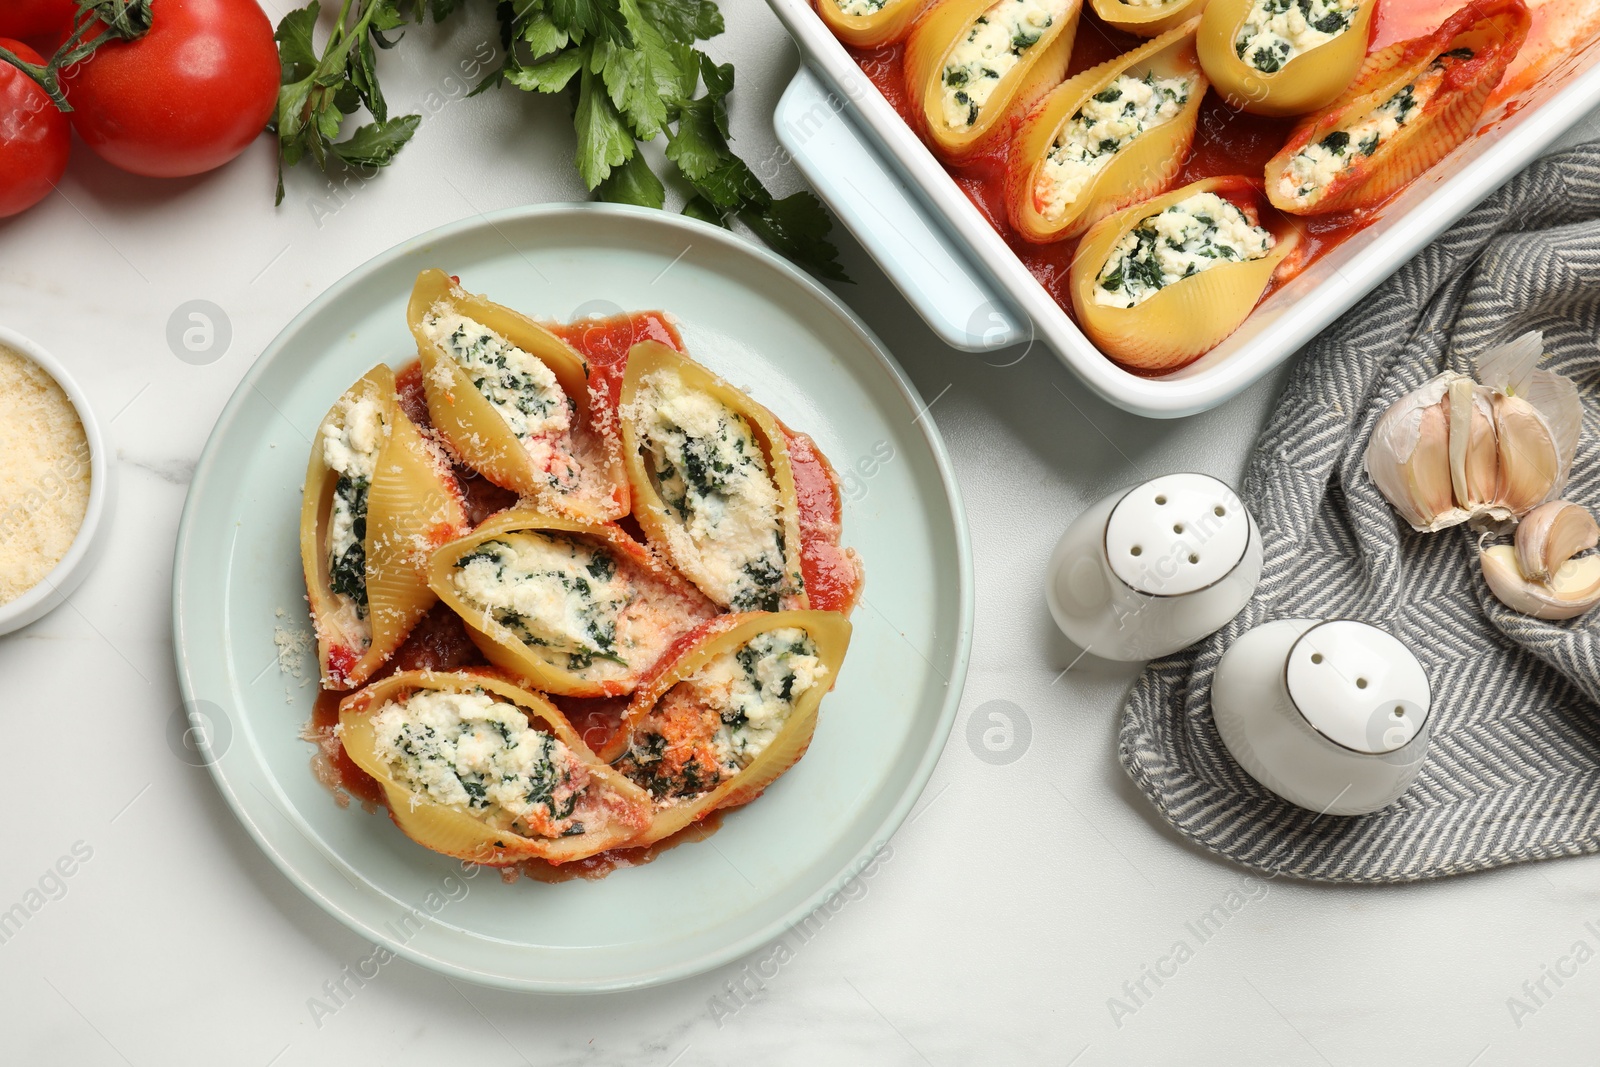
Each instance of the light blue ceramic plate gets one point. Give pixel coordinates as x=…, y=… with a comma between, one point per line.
x=763, y=325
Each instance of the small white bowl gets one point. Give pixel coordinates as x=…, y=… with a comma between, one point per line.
x=86, y=547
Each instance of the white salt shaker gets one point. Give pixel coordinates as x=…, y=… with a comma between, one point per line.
x=1331, y=716
x=1153, y=569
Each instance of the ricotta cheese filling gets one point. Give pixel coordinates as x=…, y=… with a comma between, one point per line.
x=522, y=390
x=1107, y=123
x=996, y=42
x=478, y=754
x=1315, y=167
x=714, y=724
x=858, y=8
x=1277, y=31
x=351, y=441
x=704, y=461
x=1192, y=236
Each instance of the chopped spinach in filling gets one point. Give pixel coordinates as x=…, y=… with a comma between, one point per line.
x=1108, y=122
x=351, y=441
x=1315, y=167
x=857, y=8
x=1187, y=238
x=553, y=591
x=1277, y=31
x=478, y=754
x=704, y=461
x=996, y=42
x=522, y=390
x=709, y=727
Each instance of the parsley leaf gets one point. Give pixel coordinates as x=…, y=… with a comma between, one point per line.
x=603, y=140
x=633, y=183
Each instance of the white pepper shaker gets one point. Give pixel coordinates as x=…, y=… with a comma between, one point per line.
x=1332, y=716
x=1151, y=570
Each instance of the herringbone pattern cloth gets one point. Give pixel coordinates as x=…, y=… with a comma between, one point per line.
x=1514, y=769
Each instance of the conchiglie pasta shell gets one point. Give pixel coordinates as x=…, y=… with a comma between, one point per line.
x=1191, y=316
x=1307, y=82
x=933, y=37
x=1494, y=31
x=1150, y=21
x=542, y=670
x=884, y=26
x=1141, y=169
x=413, y=506
x=830, y=631
x=664, y=530
x=478, y=434
x=458, y=833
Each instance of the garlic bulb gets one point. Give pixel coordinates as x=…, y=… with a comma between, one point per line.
x=1485, y=450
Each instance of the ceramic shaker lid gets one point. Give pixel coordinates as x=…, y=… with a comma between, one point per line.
x=1358, y=686
x=1177, y=534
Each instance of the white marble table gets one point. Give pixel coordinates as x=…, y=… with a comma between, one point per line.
x=1034, y=915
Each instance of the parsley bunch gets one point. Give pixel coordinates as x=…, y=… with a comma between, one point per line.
x=631, y=69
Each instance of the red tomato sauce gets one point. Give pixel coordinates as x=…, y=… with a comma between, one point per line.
x=832, y=573
x=1226, y=142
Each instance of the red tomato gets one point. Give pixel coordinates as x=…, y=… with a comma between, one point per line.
x=34, y=137
x=186, y=97
x=46, y=19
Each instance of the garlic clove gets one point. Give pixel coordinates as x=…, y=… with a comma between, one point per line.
x=1571, y=591
x=1530, y=464
x=1550, y=535
x=1555, y=396
x=1474, y=453
x=1408, y=457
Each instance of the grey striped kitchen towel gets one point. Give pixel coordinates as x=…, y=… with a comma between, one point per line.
x=1513, y=773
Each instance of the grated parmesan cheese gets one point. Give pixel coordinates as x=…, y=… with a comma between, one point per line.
x=44, y=474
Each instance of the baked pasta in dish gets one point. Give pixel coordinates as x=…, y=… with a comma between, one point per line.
x=1163, y=281
x=1412, y=104
x=972, y=66
x=1283, y=57
x=1112, y=136
x=378, y=499
x=869, y=23
x=1147, y=18
x=512, y=645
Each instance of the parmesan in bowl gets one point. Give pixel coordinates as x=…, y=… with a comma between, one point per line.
x=52, y=483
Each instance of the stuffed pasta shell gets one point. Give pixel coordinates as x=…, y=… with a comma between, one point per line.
x=974, y=66
x=1147, y=18
x=730, y=714
x=512, y=400
x=869, y=23
x=378, y=499
x=574, y=609
x=1158, y=284
x=1109, y=137
x=477, y=768
x=1284, y=57
x=712, y=485
x=1412, y=104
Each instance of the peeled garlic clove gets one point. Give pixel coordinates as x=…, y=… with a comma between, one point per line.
x=1571, y=591
x=1474, y=456
x=1409, y=457
x=1550, y=535
x=1530, y=463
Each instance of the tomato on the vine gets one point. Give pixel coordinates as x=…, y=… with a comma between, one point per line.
x=34, y=136
x=186, y=97
x=40, y=20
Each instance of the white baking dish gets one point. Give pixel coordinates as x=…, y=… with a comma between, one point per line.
x=978, y=296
